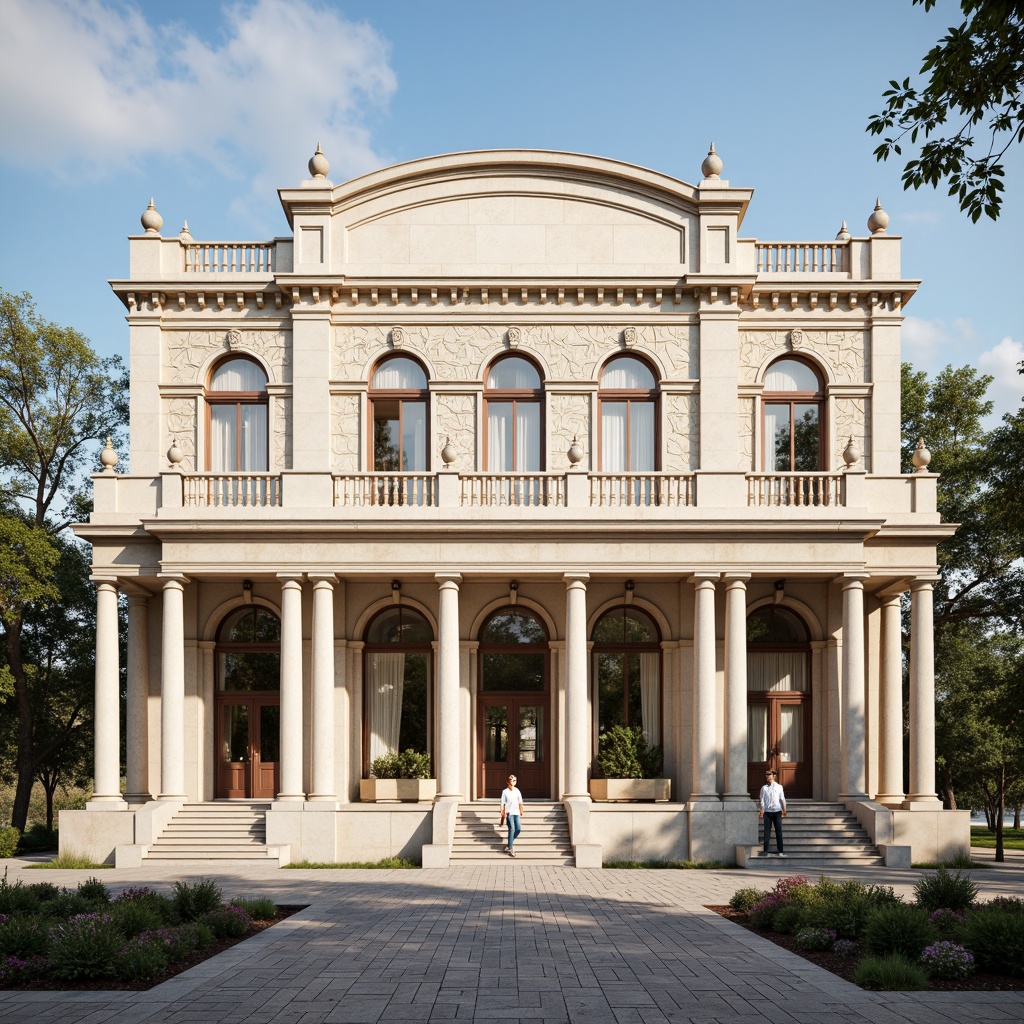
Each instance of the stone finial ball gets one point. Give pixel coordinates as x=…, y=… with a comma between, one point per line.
x=843, y=234
x=318, y=163
x=712, y=166
x=879, y=219
x=152, y=222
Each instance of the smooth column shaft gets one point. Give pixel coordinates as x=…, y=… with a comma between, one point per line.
x=172, y=690
x=137, y=714
x=891, y=732
x=322, y=709
x=704, y=748
x=107, y=769
x=736, y=688
x=577, y=724
x=922, y=693
x=449, y=733
x=853, y=688
x=291, y=691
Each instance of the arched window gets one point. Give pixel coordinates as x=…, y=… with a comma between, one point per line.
x=236, y=405
x=398, y=411
x=513, y=651
x=628, y=398
x=627, y=672
x=793, y=400
x=249, y=650
x=397, y=659
x=513, y=397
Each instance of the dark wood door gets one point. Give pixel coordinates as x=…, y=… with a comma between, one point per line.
x=778, y=736
x=513, y=733
x=248, y=741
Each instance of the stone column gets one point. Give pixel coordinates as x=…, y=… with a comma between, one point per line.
x=854, y=709
x=172, y=691
x=736, y=686
x=890, y=781
x=576, y=718
x=704, y=669
x=291, y=689
x=137, y=713
x=322, y=704
x=106, y=730
x=922, y=698
x=448, y=732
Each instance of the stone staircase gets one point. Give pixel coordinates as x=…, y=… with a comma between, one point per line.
x=816, y=834
x=544, y=839
x=235, y=830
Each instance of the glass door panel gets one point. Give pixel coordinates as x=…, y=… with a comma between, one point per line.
x=520, y=750
x=265, y=783
x=233, y=762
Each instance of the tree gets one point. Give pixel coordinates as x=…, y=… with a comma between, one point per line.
x=975, y=75
x=57, y=398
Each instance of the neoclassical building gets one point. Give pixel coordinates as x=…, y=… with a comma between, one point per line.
x=491, y=452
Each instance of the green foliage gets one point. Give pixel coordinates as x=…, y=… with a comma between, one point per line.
x=67, y=904
x=624, y=754
x=133, y=917
x=845, y=907
x=902, y=930
x=816, y=939
x=194, y=899
x=17, y=898
x=945, y=890
x=85, y=947
x=984, y=838
x=10, y=837
x=974, y=77
x=28, y=558
x=996, y=938
x=72, y=860
x=142, y=960
x=674, y=865
x=386, y=862
x=24, y=937
x=261, y=909
x=46, y=891
x=744, y=899
x=790, y=919
x=947, y=960
x=187, y=938
x=38, y=839
x=890, y=974
x=93, y=890
x=409, y=764
x=230, y=922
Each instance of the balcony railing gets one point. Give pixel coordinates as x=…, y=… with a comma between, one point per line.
x=382, y=489
x=486, y=490
x=799, y=489
x=231, y=490
x=229, y=257
x=802, y=257
x=616, y=490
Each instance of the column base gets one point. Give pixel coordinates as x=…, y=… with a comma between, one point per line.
x=738, y=798
x=705, y=799
x=179, y=798
x=138, y=798
x=844, y=797
x=320, y=803
x=921, y=802
x=106, y=803
x=891, y=800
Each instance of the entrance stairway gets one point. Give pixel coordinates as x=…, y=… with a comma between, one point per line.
x=544, y=839
x=235, y=830
x=817, y=834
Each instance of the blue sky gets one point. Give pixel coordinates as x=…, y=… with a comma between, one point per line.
x=210, y=107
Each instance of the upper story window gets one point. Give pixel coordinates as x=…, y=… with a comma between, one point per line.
x=398, y=411
x=628, y=398
x=627, y=665
x=513, y=395
x=793, y=401
x=236, y=403
x=249, y=650
x=513, y=651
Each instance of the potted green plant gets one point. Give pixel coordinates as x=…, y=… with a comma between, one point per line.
x=631, y=768
x=399, y=777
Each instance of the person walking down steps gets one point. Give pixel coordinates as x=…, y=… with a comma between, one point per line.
x=512, y=812
x=772, y=809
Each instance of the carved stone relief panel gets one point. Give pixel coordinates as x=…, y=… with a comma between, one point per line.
x=188, y=351
x=180, y=421
x=844, y=351
x=682, y=435
x=852, y=419
x=345, y=433
x=568, y=417
x=282, y=454
x=456, y=419
x=748, y=425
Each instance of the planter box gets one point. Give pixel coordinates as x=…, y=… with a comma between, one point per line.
x=635, y=790
x=412, y=791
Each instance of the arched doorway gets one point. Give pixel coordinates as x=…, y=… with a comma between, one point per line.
x=778, y=700
x=248, y=704
x=514, y=704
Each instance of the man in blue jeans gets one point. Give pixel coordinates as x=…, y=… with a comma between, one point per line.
x=512, y=812
x=772, y=809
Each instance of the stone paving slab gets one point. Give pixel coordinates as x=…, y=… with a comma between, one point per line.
x=508, y=942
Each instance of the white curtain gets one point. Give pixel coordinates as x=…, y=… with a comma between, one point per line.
x=527, y=437
x=650, y=703
x=757, y=732
x=499, y=437
x=776, y=670
x=386, y=678
x=613, y=437
x=239, y=375
x=791, y=725
x=223, y=424
x=399, y=375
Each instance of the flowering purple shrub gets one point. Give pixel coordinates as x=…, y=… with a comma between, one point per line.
x=143, y=959
x=819, y=939
x=947, y=960
x=84, y=947
x=17, y=970
x=947, y=923
x=845, y=948
x=228, y=922
x=134, y=894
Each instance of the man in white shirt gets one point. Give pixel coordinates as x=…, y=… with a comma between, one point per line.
x=772, y=809
x=512, y=811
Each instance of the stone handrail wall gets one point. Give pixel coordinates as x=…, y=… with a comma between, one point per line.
x=228, y=257
x=625, y=489
x=231, y=490
x=802, y=257
x=799, y=489
x=385, y=489
x=516, y=489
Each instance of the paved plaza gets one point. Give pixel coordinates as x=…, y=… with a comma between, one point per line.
x=505, y=943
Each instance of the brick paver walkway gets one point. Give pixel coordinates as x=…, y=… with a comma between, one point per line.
x=505, y=943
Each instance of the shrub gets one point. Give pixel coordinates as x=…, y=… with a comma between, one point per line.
x=961, y=858
x=186, y=939
x=762, y=913
x=46, y=891
x=67, y=904
x=193, y=899
x=744, y=899
x=229, y=922
x=903, y=931
x=945, y=889
x=24, y=937
x=623, y=753
x=843, y=907
x=947, y=960
x=845, y=948
x=819, y=939
x=93, y=890
x=409, y=764
x=17, y=898
x=16, y=971
x=39, y=838
x=890, y=974
x=84, y=947
x=947, y=922
x=135, y=917
x=157, y=903
x=260, y=909
x=789, y=918
x=996, y=938
x=144, y=959
x=1014, y=904
x=10, y=837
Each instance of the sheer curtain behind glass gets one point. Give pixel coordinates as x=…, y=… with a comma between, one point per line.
x=386, y=680
x=776, y=670
x=650, y=696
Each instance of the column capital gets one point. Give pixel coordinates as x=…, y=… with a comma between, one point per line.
x=207, y=645
x=733, y=580
x=854, y=580
x=448, y=577
x=135, y=592
x=104, y=581
x=924, y=583
x=569, y=578
x=698, y=579
x=356, y=645
x=289, y=577
x=169, y=578
x=317, y=578
x=893, y=592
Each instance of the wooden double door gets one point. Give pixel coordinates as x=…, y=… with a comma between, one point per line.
x=513, y=737
x=248, y=743
x=778, y=736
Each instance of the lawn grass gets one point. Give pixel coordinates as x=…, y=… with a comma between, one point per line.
x=387, y=862
x=685, y=865
x=71, y=861
x=981, y=837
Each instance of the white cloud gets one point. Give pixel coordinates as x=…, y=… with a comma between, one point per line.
x=90, y=84
x=1001, y=362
